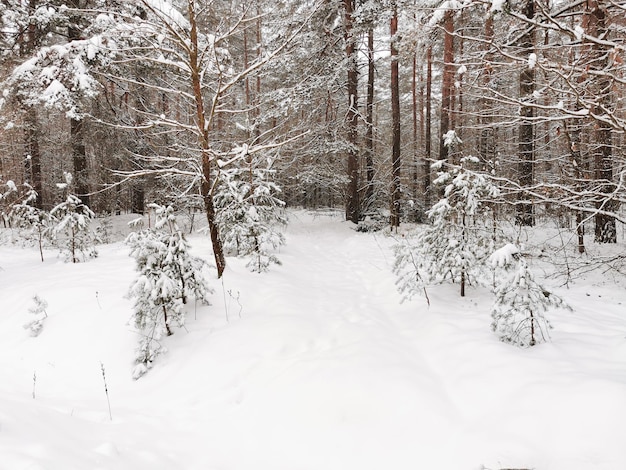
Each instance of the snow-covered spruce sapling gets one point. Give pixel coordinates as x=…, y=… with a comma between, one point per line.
x=167, y=276
x=518, y=312
x=104, y=231
x=8, y=194
x=250, y=215
x=71, y=227
x=459, y=239
x=408, y=267
x=39, y=311
x=36, y=222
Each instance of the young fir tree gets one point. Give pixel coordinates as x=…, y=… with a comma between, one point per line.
x=250, y=215
x=8, y=194
x=39, y=310
x=71, y=231
x=521, y=302
x=459, y=239
x=36, y=222
x=167, y=276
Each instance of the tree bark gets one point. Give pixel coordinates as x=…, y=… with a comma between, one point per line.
x=203, y=137
x=352, y=197
x=605, y=227
x=79, y=157
x=77, y=134
x=395, y=118
x=572, y=137
x=32, y=154
x=447, y=81
x=415, y=127
x=369, y=118
x=525, y=213
x=428, y=128
x=487, y=147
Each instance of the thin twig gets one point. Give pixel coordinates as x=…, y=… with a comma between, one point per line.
x=106, y=390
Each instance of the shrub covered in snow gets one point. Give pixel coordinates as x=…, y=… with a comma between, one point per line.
x=250, y=215
x=71, y=229
x=8, y=193
x=35, y=325
x=518, y=312
x=167, y=276
x=35, y=222
x=458, y=241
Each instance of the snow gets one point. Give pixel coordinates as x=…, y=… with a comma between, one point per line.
x=314, y=365
x=169, y=13
x=451, y=138
x=579, y=32
x=439, y=13
x=532, y=60
x=504, y=256
x=497, y=5
x=53, y=91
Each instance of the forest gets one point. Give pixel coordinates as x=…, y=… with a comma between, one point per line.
x=327, y=103
x=312, y=234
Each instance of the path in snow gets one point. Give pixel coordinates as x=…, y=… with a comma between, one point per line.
x=342, y=362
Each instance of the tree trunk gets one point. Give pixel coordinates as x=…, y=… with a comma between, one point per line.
x=77, y=134
x=572, y=137
x=414, y=189
x=137, y=198
x=447, y=81
x=369, y=118
x=79, y=155
x=525, y=213
x=486, y=146
x=605, y=227
x=203, y=137
x=32, y=155
x=428, y=128
x=395, y=118
x=167, y=325
x=352, y=115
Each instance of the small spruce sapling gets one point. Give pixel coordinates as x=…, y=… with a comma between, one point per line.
x=408, y=267
x=250, y=215
x=39, y=310
x=36, y=222
x=8, y=194
x=104, y=231
x=459, y=239
x=167, y=276
x=518, y=312
x=71, y=226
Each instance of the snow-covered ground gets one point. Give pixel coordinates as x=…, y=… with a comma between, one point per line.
x=313, y=366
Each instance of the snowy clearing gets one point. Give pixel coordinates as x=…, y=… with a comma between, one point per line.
x=313, y=366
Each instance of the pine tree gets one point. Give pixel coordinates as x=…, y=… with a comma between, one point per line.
x=70, y=226
x=167, y=276
x=39, y=310
x=250, y=215
x=521, y=302
x=36, y=222
x=460, y=238
x=8, y=194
